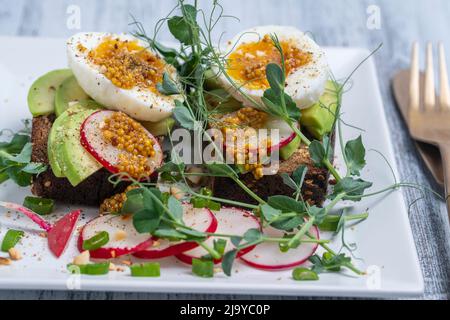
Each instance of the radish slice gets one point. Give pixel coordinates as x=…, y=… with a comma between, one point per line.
x=230, y=221
x=58, y=235
x=199, y=219
x=267, y=256
x=285, y=136
x=103, y=151
x=123, y=237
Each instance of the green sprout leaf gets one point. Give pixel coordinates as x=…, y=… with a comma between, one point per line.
x=269, y=213
x=287, y=204
x=353, y=188
x=222, y=169
x=355, y=154
x=176, y=208
x=185, y=28
x=318, y=153
x=184, y=116
x=168, y=87
x=228, y=260
x=275, y=77
x=253, y=235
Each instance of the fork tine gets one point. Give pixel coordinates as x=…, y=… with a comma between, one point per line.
x=414, y=85
x=430, y=94
x=444, y=100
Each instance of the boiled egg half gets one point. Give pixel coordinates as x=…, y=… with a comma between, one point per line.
x=249, y=53
x=121, y=73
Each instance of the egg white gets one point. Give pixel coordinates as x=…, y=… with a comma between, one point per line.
x=141, y=104
x=305, y=85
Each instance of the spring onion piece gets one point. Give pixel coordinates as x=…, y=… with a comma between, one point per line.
x=11, y=238
x=220, y=245
x=150, y=269
x=97, y=241
x=303, y=274
x=39, y=205
x=203, y=269
x=93, y=269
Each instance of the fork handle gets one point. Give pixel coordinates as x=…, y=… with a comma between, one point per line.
x=445, y=151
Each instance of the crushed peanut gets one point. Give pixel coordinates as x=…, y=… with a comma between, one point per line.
x=247, y=64
x=127, y=64
x=127, y=262
x=120, y=235
x=177, y=193
x=14, y=254
x=82, y=259
x=129, y=136
x=5, y=261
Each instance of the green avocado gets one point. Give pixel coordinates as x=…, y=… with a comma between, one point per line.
x=56, y=136
x=319, y=118
x=76, y=163
x=212, y=80
x=161, y=128
x=68, y=91
x=287, y=151
x=41, y=96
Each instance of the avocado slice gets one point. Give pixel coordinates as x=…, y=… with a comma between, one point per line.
x=68, y=91
x=161, y=128
x=319, y=118
x=287, y=151
x=41, y=96
x=56, y=136
x=76, y=163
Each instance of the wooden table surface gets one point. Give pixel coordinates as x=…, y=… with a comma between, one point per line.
x=333, y=23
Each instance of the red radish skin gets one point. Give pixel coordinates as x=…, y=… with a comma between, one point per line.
x=230, y=221
x=166, y=249
x=61, y=232
x=58, y=235
x=133, y=241
x=90, y=131
x=267, y=256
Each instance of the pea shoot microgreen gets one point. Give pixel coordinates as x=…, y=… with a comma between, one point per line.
x=15, y=159
x=161, y=214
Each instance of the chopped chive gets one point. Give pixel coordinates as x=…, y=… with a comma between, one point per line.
x=304, y=274
x=93, y=269
x=219, y=246
x=97, y=241
x=12, y=237
x=41, y=206
x=150, y=269
x=202, y=268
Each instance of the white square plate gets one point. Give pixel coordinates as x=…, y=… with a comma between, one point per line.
x=384, y=242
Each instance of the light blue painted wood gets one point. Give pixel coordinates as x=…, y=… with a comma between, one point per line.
x=336, y=23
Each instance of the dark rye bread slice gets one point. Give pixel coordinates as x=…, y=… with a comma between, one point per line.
x=314, y=188
x=92, y=191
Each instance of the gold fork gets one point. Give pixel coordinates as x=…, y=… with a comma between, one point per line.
x=429, y=114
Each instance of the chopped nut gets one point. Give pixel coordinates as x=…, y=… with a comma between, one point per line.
x=82, y=259
x=177, y=193
x=156, y=244
x=194, y=179
x=47, y=184
x=14, y=254
x=120, y=235
x=43, y=234
x=127, y=262
x=5, y=261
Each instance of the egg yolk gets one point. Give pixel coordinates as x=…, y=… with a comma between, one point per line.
x=247, y=64
x=127, y=64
